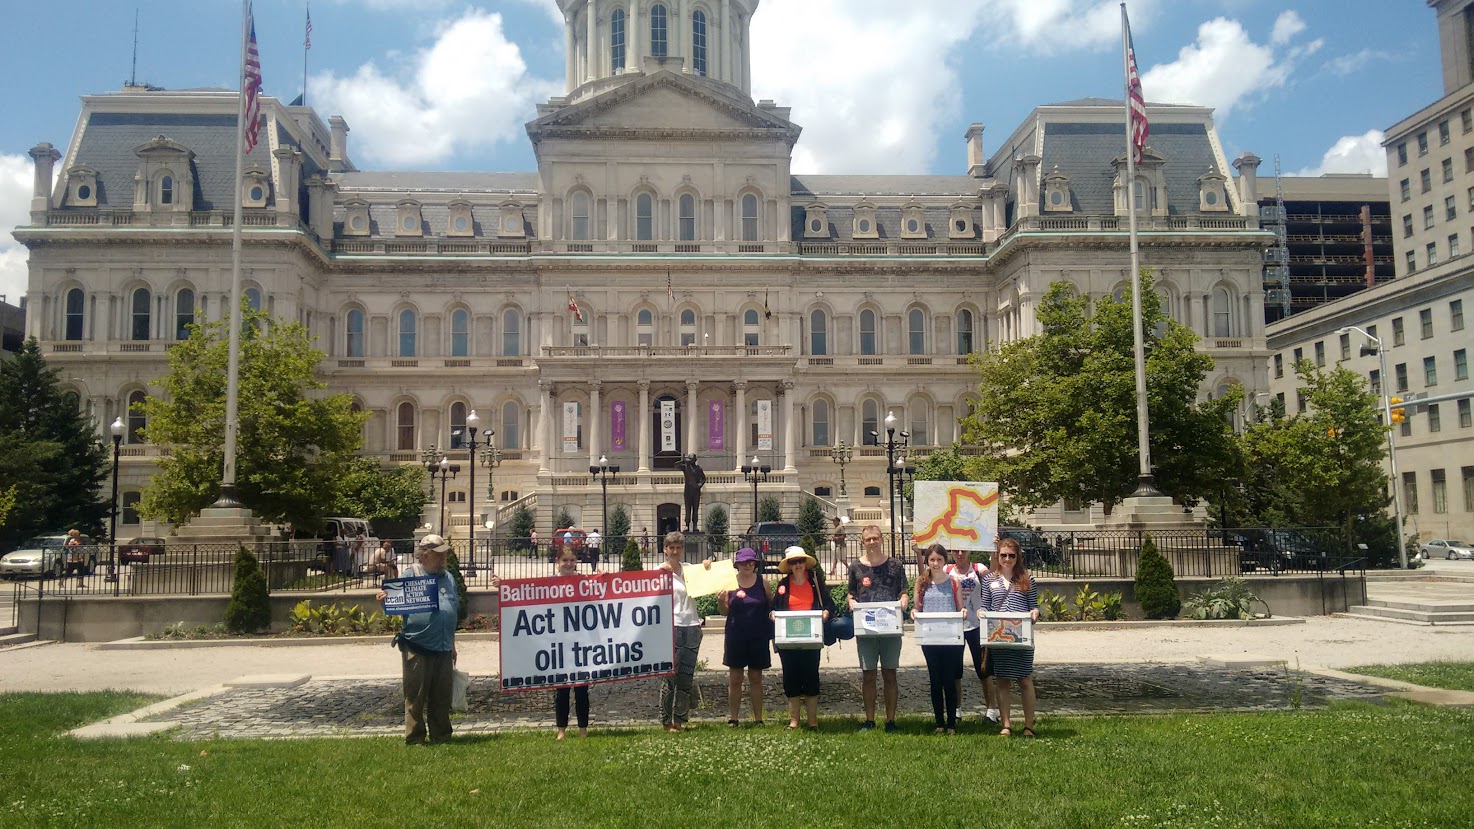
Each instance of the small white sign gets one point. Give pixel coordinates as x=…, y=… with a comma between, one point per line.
x=939, y=628
x=877, y=618
x=798, y=629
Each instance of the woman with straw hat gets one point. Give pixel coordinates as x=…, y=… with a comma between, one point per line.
x=801, y=588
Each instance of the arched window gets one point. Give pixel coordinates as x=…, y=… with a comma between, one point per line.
x=137, y=422
x=616, y=40
x=407, y=322
x=579, y=222
x=964, y=331
x=920, y=423
x=1222, y=313
x=166, y=190
x=1221, y=392
x=645, y=328
x=657, y=30
x=353, y=333
x=751, y=328
x=458, y=435
x=405, y=428
x=141, y=317
x=818, y=334
x=644, y=217
x=688, y=216
x=511, y=423
x=749, y=218
x=867, y=332
x=511, y=333
x=821, y=422
x=76, y=302
x=253, y=299
x=916, y=331
x=698, y=42
x=460, y=333
x=869, y=422
x=688, y=327
x=183, y=313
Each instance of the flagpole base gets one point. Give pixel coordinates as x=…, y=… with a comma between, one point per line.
x=1146, y=487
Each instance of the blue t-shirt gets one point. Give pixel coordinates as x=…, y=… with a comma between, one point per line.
x=435, y=631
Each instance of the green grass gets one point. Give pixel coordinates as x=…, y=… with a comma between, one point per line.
x=1350, y=765
x=1455, y=676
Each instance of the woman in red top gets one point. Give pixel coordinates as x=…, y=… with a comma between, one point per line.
x=801, y=588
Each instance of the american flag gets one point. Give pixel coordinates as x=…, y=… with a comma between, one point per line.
x=573, y=307
x=670, y=288
x=1135, y=101
x=251, y=86
x=307, y=38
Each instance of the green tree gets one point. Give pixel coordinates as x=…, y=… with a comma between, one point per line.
x=453, y=567
x=630, y=561
x=1057, y=414
x=390, y=498
x=52, y=462
x=811, y=520
x=619, y=527
x=1156, y=586
x=523, y=522
x=563, y=519
x=249, y=610
x=716, y=528
x=770, y=509
x=292, y=449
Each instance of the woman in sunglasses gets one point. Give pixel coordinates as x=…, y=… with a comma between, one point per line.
x=1011, y=589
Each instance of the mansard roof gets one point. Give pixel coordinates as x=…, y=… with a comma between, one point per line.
x=1084, y=152
x=109, y=141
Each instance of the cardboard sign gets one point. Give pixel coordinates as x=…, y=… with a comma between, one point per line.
x=877, y=618
x=415, y=594
x=703, y=582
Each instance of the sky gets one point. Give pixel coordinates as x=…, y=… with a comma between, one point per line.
x=449, y=84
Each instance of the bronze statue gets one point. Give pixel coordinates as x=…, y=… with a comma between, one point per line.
x=695, y=479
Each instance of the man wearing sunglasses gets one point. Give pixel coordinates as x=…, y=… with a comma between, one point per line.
x=876, y=577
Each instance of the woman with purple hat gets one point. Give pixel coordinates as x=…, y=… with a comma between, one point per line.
x=801, y=588
x=749, y=627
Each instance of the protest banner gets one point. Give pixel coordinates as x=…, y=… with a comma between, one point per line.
x=416, y=594
x=576, y=630
x=959, y=515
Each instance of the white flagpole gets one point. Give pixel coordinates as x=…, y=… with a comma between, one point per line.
x=1143, y=436
x=233, y=370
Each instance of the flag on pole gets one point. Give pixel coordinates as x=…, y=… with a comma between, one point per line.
x=307, y=38
x=573, y=307
x=251, y=86
x=767, y=312
x=1135, y=101
x=670, y=289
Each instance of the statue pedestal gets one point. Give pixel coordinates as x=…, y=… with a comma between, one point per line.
x=1150, y=512
x=225, y=525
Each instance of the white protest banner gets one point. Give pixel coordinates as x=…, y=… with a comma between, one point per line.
x=959, y=515
x=575, y=630
x=765, y=425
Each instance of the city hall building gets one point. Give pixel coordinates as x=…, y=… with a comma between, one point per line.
x=661, y=284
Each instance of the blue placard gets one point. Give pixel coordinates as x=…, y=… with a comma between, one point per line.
x=417, y=594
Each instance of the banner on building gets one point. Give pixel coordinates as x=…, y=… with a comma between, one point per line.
x=667, y=425
x=959, y=515
x=570, y=427
x=616, y=426
x=575, y=630
x=716, y=426
x=765, y=425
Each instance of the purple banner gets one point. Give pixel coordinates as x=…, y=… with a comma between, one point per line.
x=616, y=426
x=715, y=426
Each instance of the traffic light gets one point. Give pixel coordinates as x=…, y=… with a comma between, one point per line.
x=1398, y=415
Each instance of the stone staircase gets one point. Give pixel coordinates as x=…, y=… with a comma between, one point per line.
x=1428, y=612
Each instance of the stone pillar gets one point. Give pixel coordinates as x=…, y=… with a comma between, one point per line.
x=1247, y=165
x=545, y=426
x=591, y=43
x=693, y=416
x=739, y=435
x=977, y=163
x=723, y=44
x=790, y=429
x=45, y=156
x=594, y=419
x=570, y=61
x=320, y=195
x=644, y=426
x=288, y=173
x=338, y=148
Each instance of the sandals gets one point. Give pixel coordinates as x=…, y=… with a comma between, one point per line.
x=733, y=724
x=1029, y=731
x=814, y=728
x=791, y=727
x=1005, y=732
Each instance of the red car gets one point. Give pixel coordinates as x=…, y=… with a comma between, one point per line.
x=570, y=537
x=140, y=549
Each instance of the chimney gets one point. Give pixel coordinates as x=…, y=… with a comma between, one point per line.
x=45, y=157
x=320, y=196
x=289, y=169
x=1247, y=166
x=977, y=163
x=338, y=150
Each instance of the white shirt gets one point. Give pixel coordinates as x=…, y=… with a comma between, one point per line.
x=683, y=607
x=971, y=585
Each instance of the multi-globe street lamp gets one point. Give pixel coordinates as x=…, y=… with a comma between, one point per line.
x=491, y=457
x=443, y=470
x=841, y=453
x=893, y=449
x=755, y=473
x=602, y=472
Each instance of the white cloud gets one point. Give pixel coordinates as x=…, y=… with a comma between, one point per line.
x=16, y=175
x=1353, y=154
x=1058, y=25
x=469, y=89
x=1224, y=68
x=1344, y=65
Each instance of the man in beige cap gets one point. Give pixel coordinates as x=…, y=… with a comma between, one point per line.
x=427, y=649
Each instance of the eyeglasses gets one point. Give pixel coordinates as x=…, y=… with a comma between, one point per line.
x=1007, y=555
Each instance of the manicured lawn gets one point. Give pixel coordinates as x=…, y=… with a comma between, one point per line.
x=1352, y=765
x=1455, y=676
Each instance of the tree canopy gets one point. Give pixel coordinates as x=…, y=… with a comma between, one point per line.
x=293, y=447
x=52, y=462
x=390, y=498
x=1056, y=419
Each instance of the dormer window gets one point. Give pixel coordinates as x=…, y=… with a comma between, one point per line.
x=461, y=222
x=959, y=222
x=1057, y=196
x=1212, y=196
x=1150, y=186
x=913, y=221
x=166, y=189
x=81, y=186
x=356, y=218
x=865, y=226
x=256, y=189
x=816, y=221
x=407, y=221
x=164, y=181
x=509, y=221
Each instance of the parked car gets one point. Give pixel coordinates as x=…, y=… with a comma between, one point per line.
x=770, y=539
x=1037, y=550
x=340, y=556
x=140, y=549
x=571, y=537
x=1276, y=550
x=1448, y=549
x=46, y=556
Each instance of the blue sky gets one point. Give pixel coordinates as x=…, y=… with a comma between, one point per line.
x=447, y=84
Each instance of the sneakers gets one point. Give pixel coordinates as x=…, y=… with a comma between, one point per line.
x=991, y=715
x=868, y=725
x=890, y=727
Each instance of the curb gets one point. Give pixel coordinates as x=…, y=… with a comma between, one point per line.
x=1138, y=624
x=128, y=725
x=138, y=643
x=1422, y=694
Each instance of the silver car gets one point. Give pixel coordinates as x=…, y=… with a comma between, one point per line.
x=46, y=555
x=1448, y=549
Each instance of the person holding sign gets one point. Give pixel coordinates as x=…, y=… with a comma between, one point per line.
x=568, y=566
x=971, y=578
x=938, y=592
x=427, y=649
x=876, y=577
x=749, y=627
x=801, y=588
x=676, y=690
x=1011, y=589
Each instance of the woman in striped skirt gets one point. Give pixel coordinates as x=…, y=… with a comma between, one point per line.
x=1011, y=589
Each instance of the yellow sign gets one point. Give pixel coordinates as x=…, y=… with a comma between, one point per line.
x=703, y=582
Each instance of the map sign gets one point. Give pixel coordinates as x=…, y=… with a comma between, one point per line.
x=959, y=515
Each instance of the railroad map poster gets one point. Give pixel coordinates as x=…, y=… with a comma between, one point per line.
x=960, y=515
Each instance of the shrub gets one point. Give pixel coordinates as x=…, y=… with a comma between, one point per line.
x=249, y=610
x=841, y=595
x=811, y=519
x=453, y=567
x=629, y=560
x=333, y=619
x=1156, y=589
x=716, y=527
x=619, y=527
x=810, y=542
x=521, y=525
x=1110, y=607
x=1229, y=599
x=1054, y=608
x=564, y=519
x=770, y=509
x=706, y=605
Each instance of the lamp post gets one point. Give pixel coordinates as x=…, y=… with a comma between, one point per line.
x=893, y=447
x=117, y=429
x=841, y=453
x=754, y=473
x=602, y=473
x=444, y=470
x=1375, y=346
x=492, y=458
x=904, y=469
